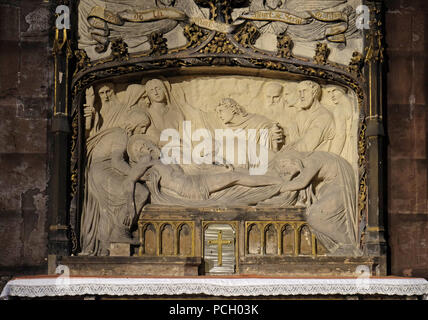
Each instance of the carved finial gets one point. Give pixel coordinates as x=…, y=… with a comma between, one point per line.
x=321, y=53
x=247, y=35
x=119, y=49
x=158, y=44
x=284, y=45
x=82, y=60
x=356, y=63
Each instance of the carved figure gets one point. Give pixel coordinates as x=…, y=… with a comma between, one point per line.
x=274, y=27
x=307, y=20
x=134, y=22
x=281, y=100
x=340, y=106
x=234, y=116
x=162, y=109
x=315, y=124
x=172, y=183
x=107, y=213
x=110, y=111
x=329, y=184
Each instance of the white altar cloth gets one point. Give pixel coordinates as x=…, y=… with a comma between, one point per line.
x=78, y=286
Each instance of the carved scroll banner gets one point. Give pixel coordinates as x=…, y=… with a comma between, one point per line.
x=135, y=16
x=212, y=25
x=275, y=15
x=98, y=16
x=334, y=33
x=102, y=14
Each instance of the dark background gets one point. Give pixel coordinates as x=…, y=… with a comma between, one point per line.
x=26, y=100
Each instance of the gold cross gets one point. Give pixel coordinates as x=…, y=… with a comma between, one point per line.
x=219, y=242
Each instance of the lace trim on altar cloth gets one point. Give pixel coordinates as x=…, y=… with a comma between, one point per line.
x=75, y=286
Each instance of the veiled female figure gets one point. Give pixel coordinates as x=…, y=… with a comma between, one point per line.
x=109, y=206
x=161, y=108
x=329, y=186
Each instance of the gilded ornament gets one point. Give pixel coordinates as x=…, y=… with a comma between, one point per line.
x=284, y=45
x=321, y=53
x=119, y=50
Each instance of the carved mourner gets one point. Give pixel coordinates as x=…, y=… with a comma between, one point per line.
x=203, y=132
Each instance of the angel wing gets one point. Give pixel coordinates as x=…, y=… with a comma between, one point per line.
x=302, y=6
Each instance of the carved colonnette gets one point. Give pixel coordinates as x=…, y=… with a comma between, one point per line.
x=217, y=48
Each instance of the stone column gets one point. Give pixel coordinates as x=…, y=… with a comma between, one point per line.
x=59, y=243
x=375, y=243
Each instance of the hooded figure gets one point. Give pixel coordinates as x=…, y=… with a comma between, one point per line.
x=330, y=193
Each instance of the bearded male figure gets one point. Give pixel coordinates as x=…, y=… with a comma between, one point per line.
x=315, y=124
x=110, y=111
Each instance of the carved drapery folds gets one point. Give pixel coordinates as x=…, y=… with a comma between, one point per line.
x=228, y=65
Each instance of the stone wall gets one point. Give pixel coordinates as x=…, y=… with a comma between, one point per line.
x=26, y=103
x=407, y=134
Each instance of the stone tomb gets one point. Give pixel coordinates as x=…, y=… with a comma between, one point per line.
x=186, y=242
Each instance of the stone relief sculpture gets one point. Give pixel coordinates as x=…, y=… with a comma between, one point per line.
x=170, y=185
x=161, y=107
x=330, y=197
x=133, y=21
x=109, y=111
x=338, y=103
x=310, y=20
x=281, y=100
x=308, y=159
x=235, y=116
x=305, y=23
x=109, y=192
x=138, y=23
x=315, y=124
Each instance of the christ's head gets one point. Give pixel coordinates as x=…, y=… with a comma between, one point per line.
x=140, y=148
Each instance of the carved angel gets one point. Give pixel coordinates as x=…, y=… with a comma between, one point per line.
x=269, y=26
x=102, y=21
x=308, y=20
